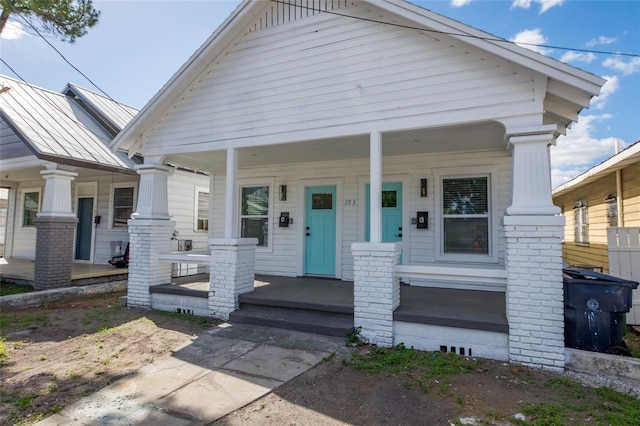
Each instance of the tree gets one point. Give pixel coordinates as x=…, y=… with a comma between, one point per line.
x=66, y=19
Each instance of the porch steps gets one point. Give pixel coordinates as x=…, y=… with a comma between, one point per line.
x=325, y=320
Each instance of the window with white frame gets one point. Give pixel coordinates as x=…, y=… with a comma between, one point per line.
x=201, y=210
x=31, y=198
x=465, y=215
x=254, y=214
x=581, y=215
x=612, y=209
x=122, y=204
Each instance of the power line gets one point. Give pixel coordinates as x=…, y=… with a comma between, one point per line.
x=64, y=58
x=501, y=40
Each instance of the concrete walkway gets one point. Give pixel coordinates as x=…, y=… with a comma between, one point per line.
x=204, y=379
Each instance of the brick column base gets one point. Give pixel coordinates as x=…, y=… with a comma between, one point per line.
x=376, y=290
x=231, y=273
x=147, y=239
x=535, y=296
x=54, y=252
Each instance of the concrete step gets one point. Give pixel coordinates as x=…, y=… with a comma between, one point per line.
x=310, y=321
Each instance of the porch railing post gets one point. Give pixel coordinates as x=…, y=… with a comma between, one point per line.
x=231, y=273
x=376, y=290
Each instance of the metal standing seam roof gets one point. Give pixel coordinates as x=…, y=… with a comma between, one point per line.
x=118, y=114
x=55, y=127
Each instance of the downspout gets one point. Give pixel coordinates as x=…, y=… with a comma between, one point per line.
x=619, y=189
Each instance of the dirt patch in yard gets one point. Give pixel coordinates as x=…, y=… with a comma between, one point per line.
x=55, y=355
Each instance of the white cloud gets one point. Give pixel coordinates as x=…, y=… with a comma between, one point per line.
x=578, y=150
x=626, y=68
x=601, y=41
x=610, y=87
x=572, y=56
x=531, y=39
x=460, y=3
x=544, y=4
x=12, y=31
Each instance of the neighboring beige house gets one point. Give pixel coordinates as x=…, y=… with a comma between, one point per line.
x=605, y=196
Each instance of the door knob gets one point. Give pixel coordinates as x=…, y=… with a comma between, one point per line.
x=399, y=235
x=399, y=228
x=307, y=228
x=308, y=234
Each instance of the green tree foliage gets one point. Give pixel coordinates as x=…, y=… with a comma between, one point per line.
x=65, y=19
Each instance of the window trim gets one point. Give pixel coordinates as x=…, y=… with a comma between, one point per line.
x=197, y=190
x=24, y=193
x=492, y=219
x=114, y=186
x=270, y=183
x=581, y=206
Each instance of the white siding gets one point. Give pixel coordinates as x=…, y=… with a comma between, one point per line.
x=181, y=187
x=328, y=70
x=285, y=255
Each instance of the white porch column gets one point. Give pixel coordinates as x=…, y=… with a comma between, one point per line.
x=55, y=226
x=150, y=230
x=531, y=191
x=375, y=199
x=376, y=290
x=231, y=197
x=533, y=260
x=232, y=268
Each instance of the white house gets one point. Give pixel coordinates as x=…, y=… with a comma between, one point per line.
x=394, y=143
x=69, y=196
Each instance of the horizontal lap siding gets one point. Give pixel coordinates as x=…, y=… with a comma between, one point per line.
x=181, y=187
x=283, y=257
x=631, y=191
x=327, y=70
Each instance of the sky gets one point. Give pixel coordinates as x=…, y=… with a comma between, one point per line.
x=138, y=45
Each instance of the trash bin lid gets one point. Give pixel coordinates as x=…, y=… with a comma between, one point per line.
x=586, y=275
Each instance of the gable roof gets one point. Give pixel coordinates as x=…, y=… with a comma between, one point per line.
x=112, y=114
x=628, y=156
x=55, y=128
x=569, y=88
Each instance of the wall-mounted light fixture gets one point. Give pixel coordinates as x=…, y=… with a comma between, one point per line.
x=283, y=192
x=423, y=188
x=611, y=198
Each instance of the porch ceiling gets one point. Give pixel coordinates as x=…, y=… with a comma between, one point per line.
x=470, y=137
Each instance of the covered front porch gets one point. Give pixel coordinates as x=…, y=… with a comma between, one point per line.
x=326, y=306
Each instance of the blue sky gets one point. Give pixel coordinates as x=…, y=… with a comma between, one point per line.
x=138, y=45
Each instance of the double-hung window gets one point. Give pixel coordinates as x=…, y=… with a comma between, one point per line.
x=581, y=216
x=254, y=214
x=465, y=215
x=30, y=206
x=122, y=204
x=201, y=211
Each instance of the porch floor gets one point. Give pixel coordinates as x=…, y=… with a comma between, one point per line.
x=23, y=270
x=469, y=309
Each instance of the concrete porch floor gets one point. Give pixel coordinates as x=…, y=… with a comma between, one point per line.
x=471, y=309
x=22, y=270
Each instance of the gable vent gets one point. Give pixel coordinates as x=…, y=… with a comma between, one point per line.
x=283, y=11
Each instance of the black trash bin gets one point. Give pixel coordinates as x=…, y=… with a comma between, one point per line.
x=594, y=308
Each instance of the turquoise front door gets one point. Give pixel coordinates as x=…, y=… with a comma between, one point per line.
x=320, y=230
x=391, y=212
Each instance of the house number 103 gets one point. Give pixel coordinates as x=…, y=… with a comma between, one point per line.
x=350, y=202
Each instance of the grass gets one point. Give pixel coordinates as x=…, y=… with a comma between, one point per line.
x=574, y=403
x=420, y=369
x=7, y=289
x=632, y=340
x=15, y=321
x=4, y=356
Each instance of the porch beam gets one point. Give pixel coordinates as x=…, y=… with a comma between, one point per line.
x=375, y=170
x=231, y=201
